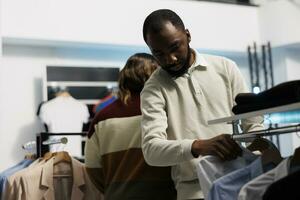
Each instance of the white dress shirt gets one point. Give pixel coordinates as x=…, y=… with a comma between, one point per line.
x=210, y=168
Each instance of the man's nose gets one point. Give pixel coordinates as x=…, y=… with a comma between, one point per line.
x=171, y=59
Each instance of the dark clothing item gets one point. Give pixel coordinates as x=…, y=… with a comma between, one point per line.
x=282, y=94
x=285, y=188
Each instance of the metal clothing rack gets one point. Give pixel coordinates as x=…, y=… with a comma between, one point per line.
x=267, y=132
x=235, y=121
x=42, y=140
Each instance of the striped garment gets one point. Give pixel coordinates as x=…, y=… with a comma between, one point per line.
x=114, y=148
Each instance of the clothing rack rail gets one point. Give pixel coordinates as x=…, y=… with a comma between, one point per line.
x=42, y=147
x=267, y=132
x=62, y=140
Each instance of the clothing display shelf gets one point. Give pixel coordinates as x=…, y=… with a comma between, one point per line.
x=235, y=120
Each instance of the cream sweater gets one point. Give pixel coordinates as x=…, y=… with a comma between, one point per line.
x=175, y=113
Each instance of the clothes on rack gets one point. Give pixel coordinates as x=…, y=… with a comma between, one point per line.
x=228, y=187
x=255, y=189
x=13, y=182
x=243, y=181
x=46, y=178
x=10, y=171
x=211, y=168
x=64, y=114
x=250, y=177
x=282, y=94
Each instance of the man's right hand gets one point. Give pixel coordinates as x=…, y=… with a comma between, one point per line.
x=222, y=146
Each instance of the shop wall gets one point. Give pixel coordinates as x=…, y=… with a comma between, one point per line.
x=279, y=21
x=215, y=26
x=293, y=64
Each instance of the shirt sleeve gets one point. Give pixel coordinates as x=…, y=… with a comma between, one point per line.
x=157, y=149
x=238, y=85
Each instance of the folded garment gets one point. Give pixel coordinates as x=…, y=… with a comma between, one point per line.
x=238, y=109
x=282, y=94
x=247, y=98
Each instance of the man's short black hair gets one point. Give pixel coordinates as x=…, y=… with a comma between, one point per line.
x=155, y=21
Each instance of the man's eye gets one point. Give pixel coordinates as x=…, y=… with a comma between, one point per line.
x=174, y=48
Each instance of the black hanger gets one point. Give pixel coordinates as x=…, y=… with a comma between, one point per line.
x=269, y=152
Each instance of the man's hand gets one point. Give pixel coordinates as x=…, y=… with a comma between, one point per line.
x=222, y=146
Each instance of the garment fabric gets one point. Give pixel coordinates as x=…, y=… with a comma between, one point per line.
x=229, y=186
x=104, y=103
x=64, y=114
x=175, y=112
x=211, y=168
x=255, y=189
x=285, y=188
x=281, y=94
x=10, y=171
x=114, y=147
x=38, y=183
x=13, y=186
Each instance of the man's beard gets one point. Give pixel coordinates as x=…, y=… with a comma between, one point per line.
x=183, y=69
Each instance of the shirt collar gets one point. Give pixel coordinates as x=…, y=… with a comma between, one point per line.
x=200, y=62
x=282, y=169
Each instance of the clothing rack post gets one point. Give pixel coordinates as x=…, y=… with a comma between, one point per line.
x=38, y=147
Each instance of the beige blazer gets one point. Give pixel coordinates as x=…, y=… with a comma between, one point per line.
x=12, y=185
x=38, y=183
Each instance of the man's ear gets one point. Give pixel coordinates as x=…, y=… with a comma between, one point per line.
x=188, y=35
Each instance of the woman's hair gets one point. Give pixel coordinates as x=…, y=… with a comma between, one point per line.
x=133, y=76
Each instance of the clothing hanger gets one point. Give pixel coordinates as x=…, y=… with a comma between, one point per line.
x=30, y=156
x=30, y=147
x=47, y=156
x=58, y=157
x=261, y=144
x=61, y=156
x=63, y=94
x=270, y=155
